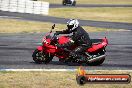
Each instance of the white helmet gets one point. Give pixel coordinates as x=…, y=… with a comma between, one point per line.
x=72, y=24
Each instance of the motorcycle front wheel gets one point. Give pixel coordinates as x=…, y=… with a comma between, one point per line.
x=39, y=57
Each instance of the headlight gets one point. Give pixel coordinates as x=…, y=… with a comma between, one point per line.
x=44, y=41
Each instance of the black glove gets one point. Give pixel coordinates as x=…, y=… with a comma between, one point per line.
x=57, y=32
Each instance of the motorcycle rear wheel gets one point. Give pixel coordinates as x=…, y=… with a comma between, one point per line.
x=39, y=58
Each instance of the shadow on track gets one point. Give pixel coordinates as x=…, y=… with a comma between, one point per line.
x=62, y=64
x=76, y=64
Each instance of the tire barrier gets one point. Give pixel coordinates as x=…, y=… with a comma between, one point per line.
x=25, y=6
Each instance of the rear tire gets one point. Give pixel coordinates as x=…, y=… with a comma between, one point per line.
x=39, y=58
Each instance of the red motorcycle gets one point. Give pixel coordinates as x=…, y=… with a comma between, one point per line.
x=45, y=53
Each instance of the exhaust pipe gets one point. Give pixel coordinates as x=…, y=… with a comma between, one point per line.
x=96, y=58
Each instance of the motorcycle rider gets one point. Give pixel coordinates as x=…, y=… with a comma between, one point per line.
x=79, y=37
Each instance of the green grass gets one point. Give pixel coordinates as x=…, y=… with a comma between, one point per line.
x=96, y=14
x=53, y=80
x=19, y=26
x=94, y=1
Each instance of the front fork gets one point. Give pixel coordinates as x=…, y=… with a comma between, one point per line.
x=40, y=48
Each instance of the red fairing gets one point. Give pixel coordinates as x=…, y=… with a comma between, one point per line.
x=95, y=47
x=49, y=48
x=63, y=40
x=40, y=48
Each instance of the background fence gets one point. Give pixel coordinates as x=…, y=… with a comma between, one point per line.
x=25, y=6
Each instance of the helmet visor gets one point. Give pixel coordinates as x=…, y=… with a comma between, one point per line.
x=70, y=26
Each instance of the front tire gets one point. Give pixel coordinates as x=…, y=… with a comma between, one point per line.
x=39, y=57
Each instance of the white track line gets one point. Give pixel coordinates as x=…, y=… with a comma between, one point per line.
x=59, y=70
x=12, y=17
x=63, y=70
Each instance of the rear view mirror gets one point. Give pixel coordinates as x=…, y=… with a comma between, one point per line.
x=53, y=26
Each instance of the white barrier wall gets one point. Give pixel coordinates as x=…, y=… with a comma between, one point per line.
x=25, y=6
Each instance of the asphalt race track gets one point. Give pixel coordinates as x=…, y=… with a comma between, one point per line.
x=87, y=5
x=31, y=17
x=16, y=49
x=16, y=52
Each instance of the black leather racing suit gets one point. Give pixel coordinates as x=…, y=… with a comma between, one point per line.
x=80, y=37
